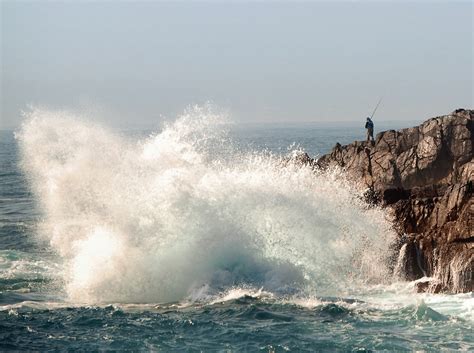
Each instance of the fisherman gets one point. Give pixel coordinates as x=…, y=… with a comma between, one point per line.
x=369, y=125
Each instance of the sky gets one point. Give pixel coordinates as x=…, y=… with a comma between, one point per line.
x=133, y=63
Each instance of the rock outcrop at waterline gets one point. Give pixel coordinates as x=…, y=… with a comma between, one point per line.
x=424, y=174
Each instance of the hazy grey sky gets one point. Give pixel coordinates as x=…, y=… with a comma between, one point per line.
x=319, y=61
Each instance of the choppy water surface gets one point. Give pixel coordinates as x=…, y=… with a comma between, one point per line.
x=199, y=236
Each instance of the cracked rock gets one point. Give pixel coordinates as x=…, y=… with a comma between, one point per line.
x=425, y=175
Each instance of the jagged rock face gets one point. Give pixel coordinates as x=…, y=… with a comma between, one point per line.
x=425, y=175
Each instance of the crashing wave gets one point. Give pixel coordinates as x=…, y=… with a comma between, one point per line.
x=171, y=216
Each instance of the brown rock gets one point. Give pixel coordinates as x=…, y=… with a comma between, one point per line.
x=425, y=175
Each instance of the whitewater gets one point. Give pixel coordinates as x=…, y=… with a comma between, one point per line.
x=189, y=238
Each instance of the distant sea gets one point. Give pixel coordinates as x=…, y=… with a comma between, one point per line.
x=198, y=237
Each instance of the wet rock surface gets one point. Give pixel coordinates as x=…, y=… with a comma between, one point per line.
x=424, y=174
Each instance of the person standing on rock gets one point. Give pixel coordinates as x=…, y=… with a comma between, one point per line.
x=369, y=125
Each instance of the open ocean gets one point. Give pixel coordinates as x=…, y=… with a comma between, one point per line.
x=199, y=236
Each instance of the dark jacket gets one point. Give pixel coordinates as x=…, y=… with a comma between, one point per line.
x=369, y=124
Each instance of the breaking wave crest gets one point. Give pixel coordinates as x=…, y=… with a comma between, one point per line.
x=183, y=214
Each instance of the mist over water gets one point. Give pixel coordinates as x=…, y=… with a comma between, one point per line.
x=185, y=215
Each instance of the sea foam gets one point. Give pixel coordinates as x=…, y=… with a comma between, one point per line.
x=183, y=214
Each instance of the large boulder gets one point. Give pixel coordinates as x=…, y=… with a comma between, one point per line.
x=425, y=175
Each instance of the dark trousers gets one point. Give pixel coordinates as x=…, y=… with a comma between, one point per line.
x=370, y=134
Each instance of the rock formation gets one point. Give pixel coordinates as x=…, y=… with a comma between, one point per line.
x=424, y=174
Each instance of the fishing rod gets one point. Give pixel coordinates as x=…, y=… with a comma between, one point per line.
x=376, y=108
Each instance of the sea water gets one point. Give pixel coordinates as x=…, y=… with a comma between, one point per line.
x=200, y=235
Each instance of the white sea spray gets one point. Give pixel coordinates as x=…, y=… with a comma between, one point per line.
x=182, y=214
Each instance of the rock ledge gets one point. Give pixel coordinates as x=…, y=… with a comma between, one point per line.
x=424, y=174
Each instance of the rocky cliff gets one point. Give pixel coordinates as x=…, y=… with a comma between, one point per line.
x=424, y=174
